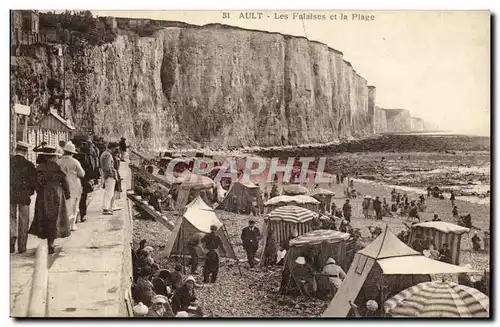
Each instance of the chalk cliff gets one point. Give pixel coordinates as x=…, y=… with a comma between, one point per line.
x=214, y=86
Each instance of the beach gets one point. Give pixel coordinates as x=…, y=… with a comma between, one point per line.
x=256, y=293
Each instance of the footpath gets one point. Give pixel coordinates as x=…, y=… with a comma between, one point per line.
x=89, y=276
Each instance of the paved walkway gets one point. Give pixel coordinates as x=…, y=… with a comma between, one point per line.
x=86, y=273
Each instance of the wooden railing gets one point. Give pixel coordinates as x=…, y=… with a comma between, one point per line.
x=37, y=306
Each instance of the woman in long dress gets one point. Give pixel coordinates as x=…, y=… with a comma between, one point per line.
x=52, y=189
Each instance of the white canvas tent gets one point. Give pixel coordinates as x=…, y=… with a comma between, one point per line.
x=386, y=256
x=197, y=219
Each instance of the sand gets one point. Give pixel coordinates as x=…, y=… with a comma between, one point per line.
x=255, y=294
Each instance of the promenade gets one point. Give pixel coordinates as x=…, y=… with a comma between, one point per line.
x=90, y=274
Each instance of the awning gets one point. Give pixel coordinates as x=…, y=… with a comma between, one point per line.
x=443, y=227
x=418, y=265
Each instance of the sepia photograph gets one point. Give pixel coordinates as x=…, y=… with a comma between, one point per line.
x=250, y=164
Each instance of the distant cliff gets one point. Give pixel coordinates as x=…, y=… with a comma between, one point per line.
x=213, y=85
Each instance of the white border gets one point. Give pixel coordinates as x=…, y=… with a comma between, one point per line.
x=186, y=5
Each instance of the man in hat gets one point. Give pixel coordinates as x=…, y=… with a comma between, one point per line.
x=250, y=236
x=22, y=187
x=212, y=242
x=347, y=209
x=110, y=176
x=74, y=172
x=86, y=161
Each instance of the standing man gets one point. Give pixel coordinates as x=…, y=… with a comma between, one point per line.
x=123, y=148
x=110, y=177
x=250, y=237
x=87, y=163
x=452, y=199
x=347, y=210
x=74, y=172
x=192, y=246
x=22, y=187
x=212, y=243
x=377, y=206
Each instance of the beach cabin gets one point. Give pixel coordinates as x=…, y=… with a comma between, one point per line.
x=440, y=232
x=51, y=129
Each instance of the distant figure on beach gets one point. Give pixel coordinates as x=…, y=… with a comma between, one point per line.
x=476, y=242
x=347, y=210
x=377, y=206
x=436, y=217
x=394, y=195
x=455, y=212
x=452, y=199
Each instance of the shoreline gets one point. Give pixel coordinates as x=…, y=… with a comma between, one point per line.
x=418, y=191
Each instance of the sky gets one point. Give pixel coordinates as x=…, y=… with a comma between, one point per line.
x=436, y=64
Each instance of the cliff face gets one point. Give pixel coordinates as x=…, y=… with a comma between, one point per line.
x=398, y=120
x=379, y=121
x=210, y=86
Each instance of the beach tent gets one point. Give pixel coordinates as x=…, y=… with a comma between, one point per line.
x=382, y=269
x=440, y=232
x=283, y=221
x=240, y=196
x=324, y=196
x=189, y=186
x=295, y=189
x=323, y=244
x=196, y=220
x=304, y=201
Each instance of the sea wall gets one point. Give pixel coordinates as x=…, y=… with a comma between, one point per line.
x=215, y=86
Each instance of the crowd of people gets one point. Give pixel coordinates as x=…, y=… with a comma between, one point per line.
x=63, y=178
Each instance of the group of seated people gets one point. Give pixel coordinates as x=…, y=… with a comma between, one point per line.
x=162, y=292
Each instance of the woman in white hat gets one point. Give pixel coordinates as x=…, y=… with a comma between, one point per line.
x=74, y=172
x=160, y=308
x=140, y=310
x=335, y=274
x=51, y=218
x=184, y=297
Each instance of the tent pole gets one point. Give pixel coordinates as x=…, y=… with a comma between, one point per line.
x=182, y=251
x=227, y=236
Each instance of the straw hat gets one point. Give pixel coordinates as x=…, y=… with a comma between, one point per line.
x=182, y=314
x=48, y=150
x=22, y=146
x=140, y=309
x=70, y=147
x=300, y=261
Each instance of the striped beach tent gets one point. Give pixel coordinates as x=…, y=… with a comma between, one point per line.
x=385, y=266
x=284, y=221
x=439, y=299
x=440, y=233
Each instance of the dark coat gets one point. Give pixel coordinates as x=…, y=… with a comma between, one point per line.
x=159, y=286
x=22, y=180
x=51, y=218
x=250, y=238
x=86, y=161
x=181, y=299
x=118, y=185
x=212, y=241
